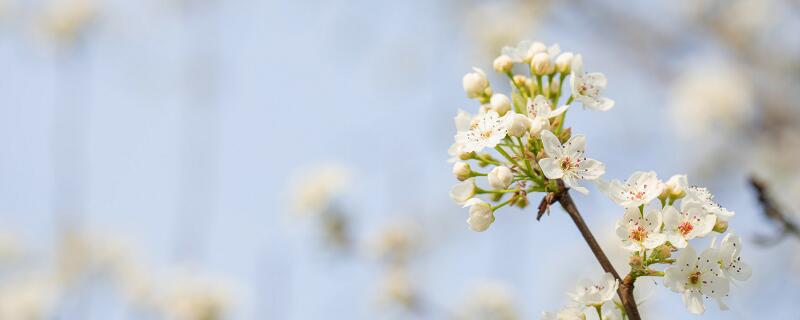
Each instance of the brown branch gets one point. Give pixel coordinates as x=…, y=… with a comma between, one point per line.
x=625, y=290
x=771, y=210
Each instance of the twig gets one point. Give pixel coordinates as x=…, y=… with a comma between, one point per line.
x=625, y=290
x=771, y=210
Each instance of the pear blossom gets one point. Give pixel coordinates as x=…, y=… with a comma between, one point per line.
x=475, y=84
x=525, y=50
x=705, y=198
x=500, y=177
x=502, y=64
x=730, y=260
x=566, y=162
x=586, y=87
x=481, y=215
x=486, y=132
x=638, y=232
x=500, y=103
x=640, y=188
x=590, y=293
x=696, y=277
x=540, y=112
x=676, y=186
x=462, y=171
x=564, y=62
x=691, y=222
x=517, y=125
x=463, y=191
x=566, y=313
x=463, y=121
x=541, y=64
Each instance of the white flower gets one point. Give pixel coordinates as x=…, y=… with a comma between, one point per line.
x=564, y=62
x=500, y=177
x=691, y=222
x=463, y=191
x=461, y=170
x=540, y=112
x=590, y=293
x=502, y=64
x=637, y=232
x=586, y=87
x=481, y=215
x=525, y=50
x=475, y=84
x=704, y=197
x=487, y=132
x=676, y=186
x=517, y=125
x=541, y=64
x=640, y=188
x=500, y=103
x=463, y=121
x=696, y=277
x=566, y=313
x=567, y=162
x=730, y=260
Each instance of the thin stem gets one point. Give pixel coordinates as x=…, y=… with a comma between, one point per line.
x=625, y=290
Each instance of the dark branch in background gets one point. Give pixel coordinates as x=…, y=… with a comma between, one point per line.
x=772, y=212
x=626, y=286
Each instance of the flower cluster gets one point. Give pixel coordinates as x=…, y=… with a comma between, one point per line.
x=521, y=146
x=521, y=141
x=654, y=231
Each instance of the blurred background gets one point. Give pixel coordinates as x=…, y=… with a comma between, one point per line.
x=209, y=159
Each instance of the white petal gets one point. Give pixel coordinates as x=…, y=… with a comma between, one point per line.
x=551, y=168
x=590, y=169
x=552, y=147
x=575, y=144
x=569, y=181
x=694, y=302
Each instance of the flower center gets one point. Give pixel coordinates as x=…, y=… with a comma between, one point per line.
x=638, y=234
x=486, y=134
x=685, y=227
x=566, y=164
x=694, y=277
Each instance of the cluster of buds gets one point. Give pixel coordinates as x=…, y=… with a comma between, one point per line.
x=521, y=146
x=533, y=147
x=655, y=232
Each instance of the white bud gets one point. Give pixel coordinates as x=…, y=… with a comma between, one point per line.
x=500, y=103
x=461, y=170
x=541, y=64
x=475, y=83
x=463, y=191
x=535, y=48
x=517, y=124
x=500, y=177
x=537, y=125
x=481, y=215
x=502, y=64
x=676, y=186
x=564, y=62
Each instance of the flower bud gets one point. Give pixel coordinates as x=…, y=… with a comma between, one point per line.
x=564, y=62
x=466, y=155
x=541, y=64
x=500, y=103
x=520, y=80
x=663, y=251
x=461, y=170
x=517, y=124
x=521, y=202
x=535, y=48
x=537, y=125
x=463, y=191
x=481, y=215
x=721, y=226
x=502, y=64
x=500, y=177
x=675, y=187
x=475, y=83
